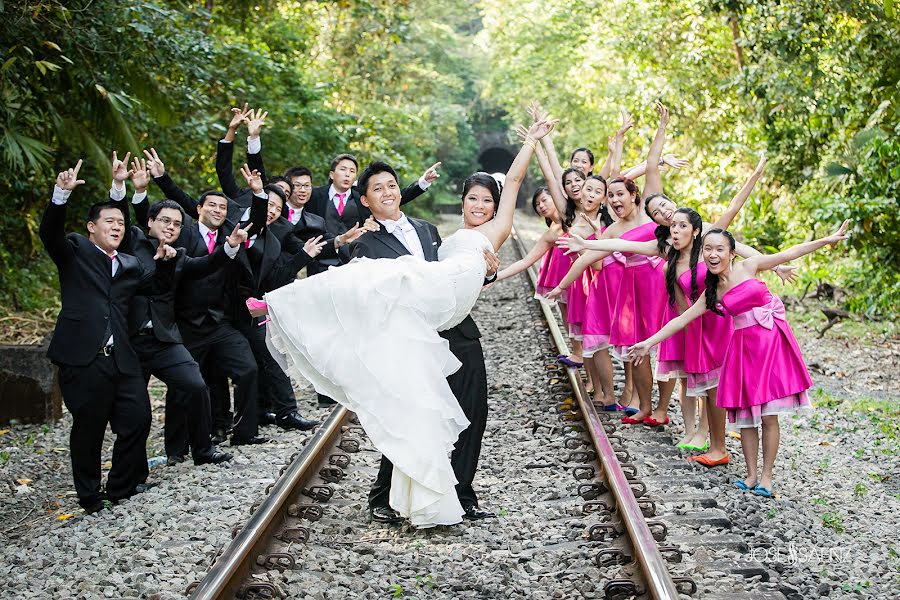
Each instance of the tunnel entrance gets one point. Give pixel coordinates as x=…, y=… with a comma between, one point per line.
x=497, y=160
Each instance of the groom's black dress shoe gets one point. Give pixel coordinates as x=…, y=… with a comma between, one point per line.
x=473, y=513
x=212, y=457
x=256, y=439
x=294, y=421
x=385, y=514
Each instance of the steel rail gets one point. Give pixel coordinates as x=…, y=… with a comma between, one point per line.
x=232, y=567
x=653, y=565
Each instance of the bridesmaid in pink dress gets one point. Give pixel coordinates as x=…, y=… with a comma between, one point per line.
x=763, y=374
x=554, y=262
x=700, y=349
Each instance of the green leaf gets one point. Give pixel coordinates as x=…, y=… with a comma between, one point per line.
x=834, y=169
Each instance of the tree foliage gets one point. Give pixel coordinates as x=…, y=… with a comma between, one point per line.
x=812, y=82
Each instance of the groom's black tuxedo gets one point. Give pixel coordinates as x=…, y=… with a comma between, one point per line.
x=469, y=383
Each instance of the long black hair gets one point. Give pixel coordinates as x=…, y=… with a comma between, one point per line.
x=712, y=280
x=485, y=180
x=534, y=202
x=603, y=213
x=662, y=231
x=570, y=203
x=672, y=256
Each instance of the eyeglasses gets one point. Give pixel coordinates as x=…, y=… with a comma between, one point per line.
x=304, y=186
x=166, y=221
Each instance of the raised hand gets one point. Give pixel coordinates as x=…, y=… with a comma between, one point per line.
x=674, y=162
x=611, y=144
x=165, y=252
x=238, y=116
x=663, y=114
x=140, y=177
x=492, y=261
x=253, y=178
x=541, y=128
x=573, y=243
x=597, y=225
x=537, y=112
x=352, y=234
x=154, y=165
x=120, y=170
x=627, y=123
x=638, y=353
x=239, y=235
x=761, y=165
x=521, y=132
x=431, y=175
x=787, y=273
x=840, y=235
x=313, y=246
x=68, y=179
x=255, y=122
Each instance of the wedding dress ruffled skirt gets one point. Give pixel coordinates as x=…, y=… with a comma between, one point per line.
x=365, y=334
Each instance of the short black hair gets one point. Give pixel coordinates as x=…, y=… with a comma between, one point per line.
x=337, y=159
x=277, y=191
x=95, y=209
x=157, y=207
x=374, y=169
x=278, y=178
x=207, y=193
x=297, y=172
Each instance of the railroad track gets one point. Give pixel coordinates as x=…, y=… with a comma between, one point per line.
x=637, y=531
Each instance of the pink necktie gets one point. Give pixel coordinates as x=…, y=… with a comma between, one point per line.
x=211, y=244
x=291, y=215
x=340, y=207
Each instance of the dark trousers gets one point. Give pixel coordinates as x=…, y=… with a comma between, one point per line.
x=188, y=424
x=469, y=385
x=225, y=351
x=276, y=394
x=96, y=395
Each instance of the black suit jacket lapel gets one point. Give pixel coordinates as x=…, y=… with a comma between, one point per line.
x=429, y=244
x=389, y=240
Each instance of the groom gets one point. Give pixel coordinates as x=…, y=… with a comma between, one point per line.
x=400, y=235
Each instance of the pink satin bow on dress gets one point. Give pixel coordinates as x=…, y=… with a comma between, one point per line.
x=763, y=315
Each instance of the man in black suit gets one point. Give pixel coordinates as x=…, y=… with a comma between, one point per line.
x=153, y=329
x=99, y=372
x=400, y=235
x=202, y=307
x=338, y=203
x=262, y=267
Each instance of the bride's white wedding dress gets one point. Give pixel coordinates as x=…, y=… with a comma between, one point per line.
x=365, y=334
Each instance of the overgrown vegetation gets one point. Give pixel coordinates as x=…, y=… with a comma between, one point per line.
x=812, y=82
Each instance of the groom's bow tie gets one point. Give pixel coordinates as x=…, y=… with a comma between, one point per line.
x=401, y=224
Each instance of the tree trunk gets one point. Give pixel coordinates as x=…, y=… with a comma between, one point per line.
x=736, y=35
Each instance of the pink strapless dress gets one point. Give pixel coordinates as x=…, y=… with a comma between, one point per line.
x=705, y=340
x=642, y=295
x=554, y=267
x=577, y=299
x=601, y=303
x=670, y=359
x=763, y=372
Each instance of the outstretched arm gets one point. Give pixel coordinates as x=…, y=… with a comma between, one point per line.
x=737, y=203
x=653, y=179
x=553, y=183
x=578, y=267
x=770, y=261
x=542, y=247
x=497, y=229
x=168, y=187
x=576, y=243
x=52, y=230
x=642, y=349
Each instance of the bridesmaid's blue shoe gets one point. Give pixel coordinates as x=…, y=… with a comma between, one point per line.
x=629, y=410
x=739, y=484
x=762, y=491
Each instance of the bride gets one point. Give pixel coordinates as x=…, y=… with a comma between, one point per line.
x=365, y=334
